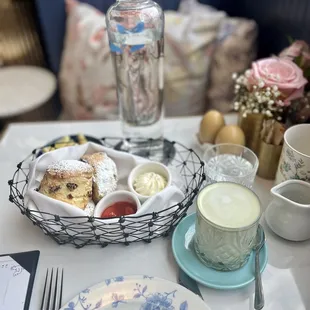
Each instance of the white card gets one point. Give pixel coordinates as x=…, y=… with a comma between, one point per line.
x=14, y=280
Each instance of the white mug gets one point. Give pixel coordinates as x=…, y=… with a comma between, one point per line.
x=295, y=158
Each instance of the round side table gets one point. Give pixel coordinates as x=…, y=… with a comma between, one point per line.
x=23, y=89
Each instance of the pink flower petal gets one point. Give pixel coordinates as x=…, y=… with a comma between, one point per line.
x=298, y=93
x=280, y=72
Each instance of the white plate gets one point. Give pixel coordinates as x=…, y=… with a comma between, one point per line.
x=136, y=293
x=24, y=88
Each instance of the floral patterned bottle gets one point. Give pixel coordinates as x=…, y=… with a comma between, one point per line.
x=136, y=30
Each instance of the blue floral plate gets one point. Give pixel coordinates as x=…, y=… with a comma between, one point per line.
x=186, y=258
x=136, y=293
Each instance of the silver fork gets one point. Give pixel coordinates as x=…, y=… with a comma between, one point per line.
x=52, y=294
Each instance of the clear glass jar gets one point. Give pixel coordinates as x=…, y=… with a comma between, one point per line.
x=136, y=36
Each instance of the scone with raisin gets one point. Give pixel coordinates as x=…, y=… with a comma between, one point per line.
x=105, y=174
x=68, y=181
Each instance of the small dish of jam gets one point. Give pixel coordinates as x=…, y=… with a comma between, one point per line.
x=120, y=208
x=117, y=204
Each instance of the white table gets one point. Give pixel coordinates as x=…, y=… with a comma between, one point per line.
x=286, y=279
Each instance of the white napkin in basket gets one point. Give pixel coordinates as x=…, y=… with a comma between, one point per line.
x=125, y=163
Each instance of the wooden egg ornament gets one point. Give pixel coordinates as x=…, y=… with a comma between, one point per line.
x=210, y=125
x=231, y=134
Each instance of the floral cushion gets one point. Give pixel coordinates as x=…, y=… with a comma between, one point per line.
x=87, y=82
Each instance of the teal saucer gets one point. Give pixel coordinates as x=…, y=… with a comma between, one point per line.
x=188, y=261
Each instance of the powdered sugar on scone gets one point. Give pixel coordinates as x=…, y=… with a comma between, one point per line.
x=106, y=176
x=70, y=167
x=70, y=181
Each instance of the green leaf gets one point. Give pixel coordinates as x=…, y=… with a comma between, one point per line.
x=298, y=60
x=290, y=39
x=307, y=73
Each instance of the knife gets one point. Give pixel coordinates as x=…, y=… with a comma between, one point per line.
x=189, y=283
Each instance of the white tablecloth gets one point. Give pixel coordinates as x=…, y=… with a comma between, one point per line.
x=286, y=279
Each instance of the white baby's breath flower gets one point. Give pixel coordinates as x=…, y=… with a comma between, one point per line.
x=261, y=84
x=254, y=87
x=241, y=79
x=268, y=93
x=280, y=103
x=255, y=111
x=268, y=113
x=236, y=105
x=279, y=118
x=244, y=114
x=234, y=75
x=275, y=88
x=248, y=73
x=237, y=86
x=270, y=102
x=268, y=88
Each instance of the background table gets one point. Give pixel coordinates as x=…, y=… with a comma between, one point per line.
x=286, y=279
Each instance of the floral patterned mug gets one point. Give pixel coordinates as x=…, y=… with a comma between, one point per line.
x=295, y=158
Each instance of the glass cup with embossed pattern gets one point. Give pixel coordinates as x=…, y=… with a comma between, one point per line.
x=226, y=225
x=230, y=163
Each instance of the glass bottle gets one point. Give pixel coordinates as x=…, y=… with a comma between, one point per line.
x=136, y=36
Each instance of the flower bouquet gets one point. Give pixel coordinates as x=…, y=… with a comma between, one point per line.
x=275, y=90
x=266, y=91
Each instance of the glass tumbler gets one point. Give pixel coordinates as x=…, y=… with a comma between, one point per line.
x=226, y=225
x=230, y=163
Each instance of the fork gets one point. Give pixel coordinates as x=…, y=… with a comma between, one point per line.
x=52, y=294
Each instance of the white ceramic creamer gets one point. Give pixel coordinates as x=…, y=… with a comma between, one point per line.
x=288, y=214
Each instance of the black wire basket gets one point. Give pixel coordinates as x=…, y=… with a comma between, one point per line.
x=82, y=231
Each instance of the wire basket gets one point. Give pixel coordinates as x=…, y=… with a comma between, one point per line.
x=82, y=231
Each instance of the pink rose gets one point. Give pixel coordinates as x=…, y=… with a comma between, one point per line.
x=280, y=72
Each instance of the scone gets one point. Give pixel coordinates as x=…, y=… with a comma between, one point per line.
x=105, y=174
x=68, y=181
